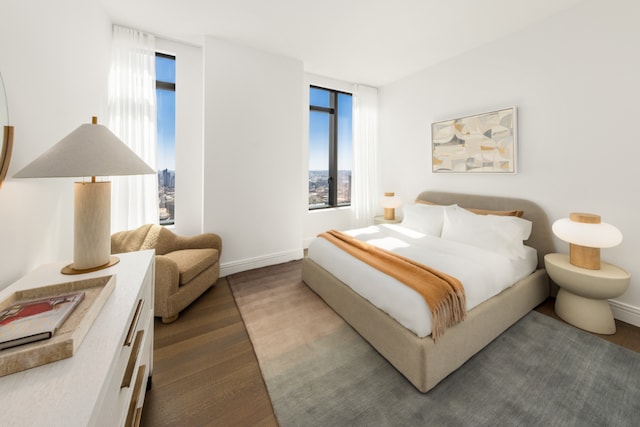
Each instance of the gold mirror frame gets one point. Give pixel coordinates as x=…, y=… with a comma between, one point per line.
x=7, y=136
x=5, y=155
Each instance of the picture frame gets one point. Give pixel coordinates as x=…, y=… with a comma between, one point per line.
x=480, y=143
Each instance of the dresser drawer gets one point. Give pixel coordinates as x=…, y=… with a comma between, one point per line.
x=94, y=387
x=126, y=387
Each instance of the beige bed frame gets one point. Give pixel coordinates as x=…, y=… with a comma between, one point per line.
x=422, y=361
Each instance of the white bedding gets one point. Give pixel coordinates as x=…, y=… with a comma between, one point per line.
x=483, y=273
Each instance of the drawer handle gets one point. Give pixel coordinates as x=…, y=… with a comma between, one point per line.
x=134, y=397
x=138, y=417
x=134, y=323
x=131, y=363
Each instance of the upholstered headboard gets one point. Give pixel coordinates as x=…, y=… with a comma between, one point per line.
x=541, y=237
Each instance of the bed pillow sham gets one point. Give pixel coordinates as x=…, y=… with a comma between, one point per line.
x=501, y=234
x=426, y=219
x=514, y=212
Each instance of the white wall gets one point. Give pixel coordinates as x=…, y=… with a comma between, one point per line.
x=253, y=150
x=575, y=81
x=189, y=134
x=55, y=63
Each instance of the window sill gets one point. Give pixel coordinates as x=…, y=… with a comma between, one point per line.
x=338, y=208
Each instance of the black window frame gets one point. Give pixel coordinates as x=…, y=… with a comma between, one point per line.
x=160, y=84
x=163, y=85
x=332, y=180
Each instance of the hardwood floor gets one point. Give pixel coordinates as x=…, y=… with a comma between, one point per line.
x=206, y=373
x=626, y=335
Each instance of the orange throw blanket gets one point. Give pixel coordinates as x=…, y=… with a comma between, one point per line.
x=444, y=294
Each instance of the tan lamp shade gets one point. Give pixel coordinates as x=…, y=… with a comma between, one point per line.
x=90, y=150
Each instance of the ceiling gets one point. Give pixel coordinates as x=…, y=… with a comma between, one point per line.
x=373, y=42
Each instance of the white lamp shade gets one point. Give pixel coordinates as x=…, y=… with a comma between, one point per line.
x=600, y=235
x=390, y=200
x=90, y=150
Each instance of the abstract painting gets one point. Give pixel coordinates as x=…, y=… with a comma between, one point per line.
x=483, y=143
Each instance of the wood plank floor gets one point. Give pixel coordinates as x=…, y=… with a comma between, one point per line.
x=206, y=373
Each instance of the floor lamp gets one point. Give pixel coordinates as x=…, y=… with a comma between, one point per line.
x=90, y=150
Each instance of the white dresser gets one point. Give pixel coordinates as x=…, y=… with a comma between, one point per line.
x=104, y=382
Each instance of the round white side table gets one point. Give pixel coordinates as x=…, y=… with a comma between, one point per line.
x=583, y=296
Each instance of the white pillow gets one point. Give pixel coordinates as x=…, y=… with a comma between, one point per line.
x=427, y=219
x=501, y=234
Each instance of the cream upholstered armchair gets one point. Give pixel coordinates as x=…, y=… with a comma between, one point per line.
x=185, y=266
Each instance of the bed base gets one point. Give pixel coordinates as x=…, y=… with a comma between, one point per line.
x=421, y=360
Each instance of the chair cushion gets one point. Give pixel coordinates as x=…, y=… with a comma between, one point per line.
x=192, y=262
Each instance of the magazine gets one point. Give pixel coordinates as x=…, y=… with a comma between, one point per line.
x=34, y=320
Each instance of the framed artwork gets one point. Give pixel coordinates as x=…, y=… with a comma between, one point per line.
x=482, y=143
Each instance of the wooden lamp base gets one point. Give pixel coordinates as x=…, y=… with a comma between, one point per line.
x=584, y=256
x=389, y=213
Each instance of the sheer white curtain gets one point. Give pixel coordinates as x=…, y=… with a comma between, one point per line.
x=365, y=181
x=132, y=117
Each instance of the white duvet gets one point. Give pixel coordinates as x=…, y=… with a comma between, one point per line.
x=483, y=273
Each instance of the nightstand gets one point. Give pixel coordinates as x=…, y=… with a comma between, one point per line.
x=379, y=219
x=583, y=296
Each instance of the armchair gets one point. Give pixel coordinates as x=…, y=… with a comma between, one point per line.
x=185, y=266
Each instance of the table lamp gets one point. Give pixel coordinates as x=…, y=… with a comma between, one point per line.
x=90, y=150
x=586, y=234
x=390, y=202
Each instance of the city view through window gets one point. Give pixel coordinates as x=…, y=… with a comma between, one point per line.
x=330, y=148
x=319, y=188
x=166, y=156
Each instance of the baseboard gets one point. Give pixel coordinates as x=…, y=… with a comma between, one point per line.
x=263, y=261
x=625, y=312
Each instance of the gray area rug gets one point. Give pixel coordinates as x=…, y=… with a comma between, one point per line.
x=320, y=372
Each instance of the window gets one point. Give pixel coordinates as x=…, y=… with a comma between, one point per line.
x=330, y=148
x=166, y=99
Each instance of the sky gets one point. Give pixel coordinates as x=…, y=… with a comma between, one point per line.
x=319, y=131
x=166, y=158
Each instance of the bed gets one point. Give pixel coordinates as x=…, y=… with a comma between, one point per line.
x=423, y=361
